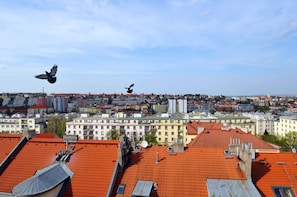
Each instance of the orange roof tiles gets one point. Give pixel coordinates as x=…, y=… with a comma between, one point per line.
x=92, y=162
x=7, y=144
x=193, y=125
x=221, y=138
x=46, y=135
x=275, y=169
x=178, y=174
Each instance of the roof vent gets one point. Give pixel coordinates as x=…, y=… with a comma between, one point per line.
x=137, y=148
x=227, y=154
x=281, y=163
x=170, y=149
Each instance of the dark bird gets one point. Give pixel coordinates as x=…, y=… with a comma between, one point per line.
x=129, y=89
x=50, y=76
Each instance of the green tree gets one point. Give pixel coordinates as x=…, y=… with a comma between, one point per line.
x=113, y=134
x=151, y=139
x=290, y=141
x=56, y=125
x=271, y=139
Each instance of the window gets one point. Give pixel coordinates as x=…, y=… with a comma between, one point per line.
x=282, y=191
x=121, y=189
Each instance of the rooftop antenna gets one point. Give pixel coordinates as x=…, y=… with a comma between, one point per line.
x=70, y=138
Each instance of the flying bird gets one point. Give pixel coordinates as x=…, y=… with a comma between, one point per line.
x=50, y=76
x=129, y=89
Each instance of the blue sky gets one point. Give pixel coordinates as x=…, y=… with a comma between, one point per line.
x=215, y=47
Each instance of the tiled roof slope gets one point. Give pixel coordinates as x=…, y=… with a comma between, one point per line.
x=274, y=169
x=7, y=144
x=221, y=138
x=193, y=125
x=178, y=174
x=46, y=135
x=92, y=162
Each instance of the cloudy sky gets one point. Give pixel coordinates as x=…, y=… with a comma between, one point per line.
x=215, y=47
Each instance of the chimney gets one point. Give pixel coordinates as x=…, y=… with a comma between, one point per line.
x=29, y=134
x=157, y=157
x=245, y=159
x=123, y=151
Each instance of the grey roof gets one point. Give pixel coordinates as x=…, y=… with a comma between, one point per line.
x=223, y=187
x=43, y=180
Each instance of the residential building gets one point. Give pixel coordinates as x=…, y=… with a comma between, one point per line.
x=274, y=173
x=285, y=124
x=264, y=122
x=216, y=135
x=18, y=124
x=97, y=127
x=171, y=106
x=81, y=168
x=161, y=171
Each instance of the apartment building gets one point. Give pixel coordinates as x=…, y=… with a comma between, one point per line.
x=241, y=122
x=15, y=125
x=285, y=124
x=97, y=127
x=166, y=129
x=264, y=122
x=170, y=130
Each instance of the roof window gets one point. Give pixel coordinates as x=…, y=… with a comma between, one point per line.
x=121, y=189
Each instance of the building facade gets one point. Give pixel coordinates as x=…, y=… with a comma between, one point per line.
x=285, y=124
x=18, y=125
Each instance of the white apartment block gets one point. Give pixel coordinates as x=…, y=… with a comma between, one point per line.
x=179, y=106
x=182, y=106
x=18, y=125
x=98, y=127
x=171, y=106
x=167, y=130
x=264, y=122
x=285, y=125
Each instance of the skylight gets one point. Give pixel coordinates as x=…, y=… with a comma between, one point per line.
x=121, y=189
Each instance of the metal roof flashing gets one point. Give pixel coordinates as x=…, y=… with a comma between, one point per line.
x=43, y=180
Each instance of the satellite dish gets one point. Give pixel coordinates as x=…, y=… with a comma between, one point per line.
x=144, y=144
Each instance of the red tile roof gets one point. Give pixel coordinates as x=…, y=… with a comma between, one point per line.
x=46, y=135
x=92, y=162
x=178, y=174
x=192, y=126
x=221, y=138
x=7, y=144
x=275, y=169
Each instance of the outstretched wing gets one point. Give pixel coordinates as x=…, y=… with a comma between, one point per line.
x=54, y=70
x=131, y=85
x=42, y=76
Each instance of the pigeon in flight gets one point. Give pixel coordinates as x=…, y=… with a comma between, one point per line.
x=50, y=76
x=129, y=90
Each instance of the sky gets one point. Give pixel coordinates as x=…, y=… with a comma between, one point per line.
x=213, y=47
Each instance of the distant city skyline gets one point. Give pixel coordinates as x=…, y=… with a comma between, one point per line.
x=231, y=48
